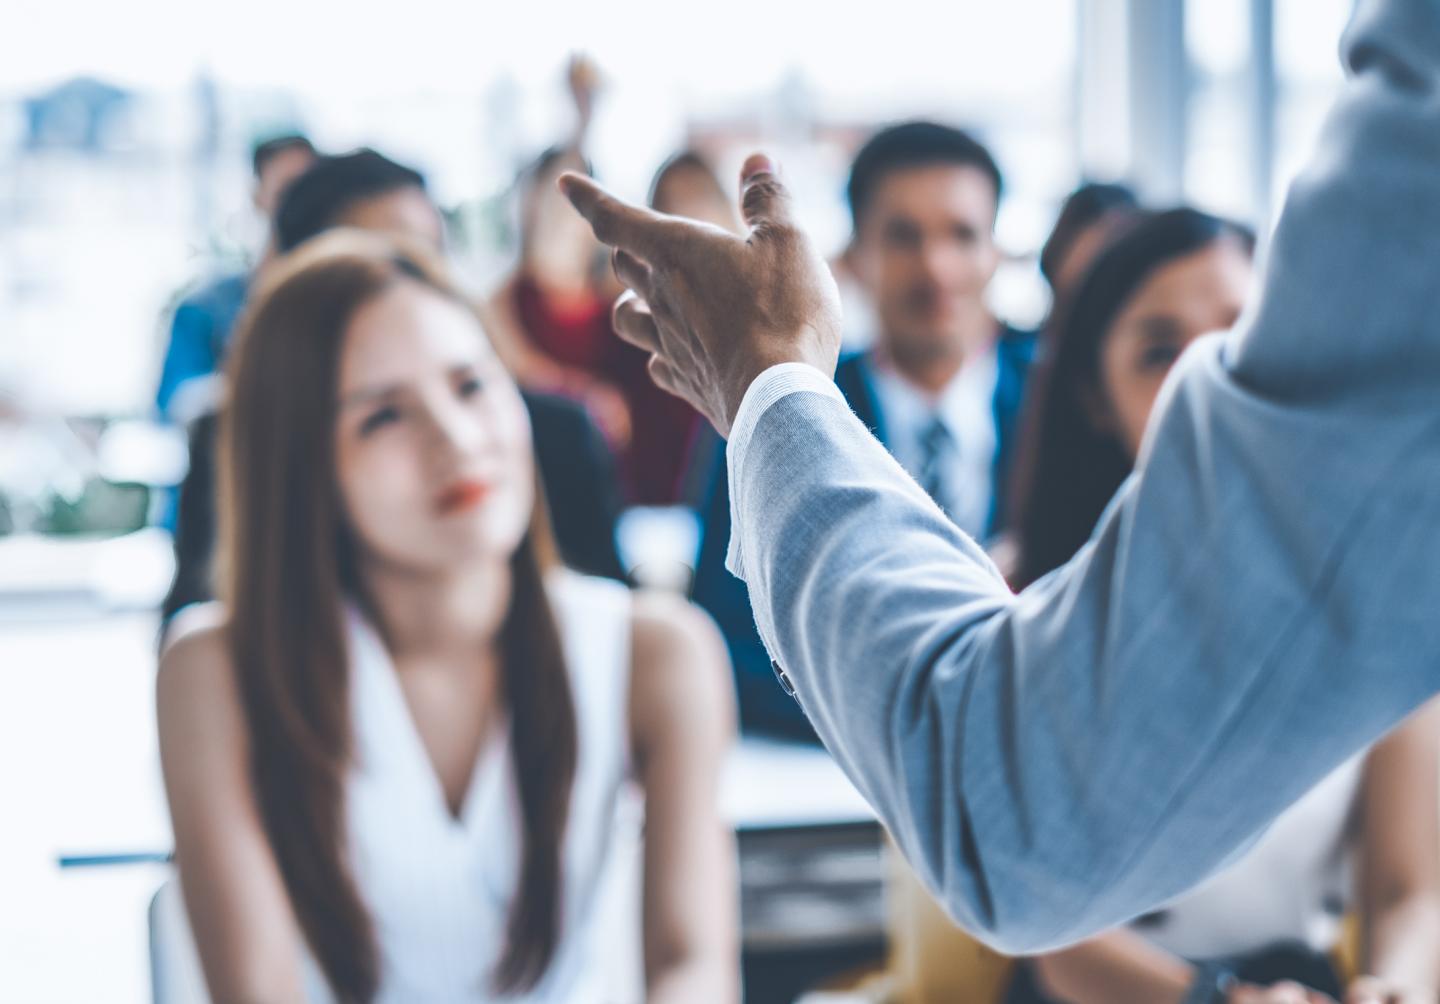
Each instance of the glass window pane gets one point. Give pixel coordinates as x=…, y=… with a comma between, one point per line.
x=1219, y=142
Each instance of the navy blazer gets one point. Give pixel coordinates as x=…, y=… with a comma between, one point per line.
x=764, y=705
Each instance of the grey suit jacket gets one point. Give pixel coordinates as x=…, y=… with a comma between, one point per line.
x=1261, y=601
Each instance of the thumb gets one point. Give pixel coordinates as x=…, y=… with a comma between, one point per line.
x=614, y=221
x=764, y=201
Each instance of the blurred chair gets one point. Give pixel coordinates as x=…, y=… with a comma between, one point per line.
x=812, y=881
x=175, y=975
x=930, y=958
x=1349, y=951
x=930, y=961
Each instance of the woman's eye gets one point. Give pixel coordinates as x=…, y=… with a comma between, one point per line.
x=1158, y=357
x=379, y=419
x=469, y=387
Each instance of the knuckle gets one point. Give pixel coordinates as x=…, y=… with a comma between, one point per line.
x=760, y=193
x=624, y=314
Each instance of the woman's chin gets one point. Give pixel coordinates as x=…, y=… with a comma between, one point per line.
x=486, y=534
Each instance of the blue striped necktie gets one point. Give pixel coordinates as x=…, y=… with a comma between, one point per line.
x=937, y=450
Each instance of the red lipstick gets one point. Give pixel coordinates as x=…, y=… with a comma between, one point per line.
x=460, y=496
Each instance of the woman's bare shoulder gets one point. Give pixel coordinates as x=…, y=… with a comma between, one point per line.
x=666, y=626
x=195, y=681
x=680, y=668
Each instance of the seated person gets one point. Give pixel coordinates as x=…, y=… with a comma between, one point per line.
x=554, y=307
x=942, y=385
x=367, y=190
x=556, y=304
x=395, y=752
x=686, y=186
x=201, y=325
x=1276, y=913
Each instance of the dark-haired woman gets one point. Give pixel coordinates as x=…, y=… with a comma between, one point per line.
x=1265, y=928
x=396, y=753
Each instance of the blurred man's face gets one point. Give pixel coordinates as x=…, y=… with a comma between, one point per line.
x=281, y=169
x=405, y=212
x=925, y=251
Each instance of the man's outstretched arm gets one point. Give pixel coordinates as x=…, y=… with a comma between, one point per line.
x=1262, y=601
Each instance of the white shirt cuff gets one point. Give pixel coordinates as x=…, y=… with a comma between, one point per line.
x=770, y=386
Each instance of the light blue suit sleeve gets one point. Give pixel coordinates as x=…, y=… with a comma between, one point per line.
x=1261, y=601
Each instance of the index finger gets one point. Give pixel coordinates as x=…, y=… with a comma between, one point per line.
x=616, y=222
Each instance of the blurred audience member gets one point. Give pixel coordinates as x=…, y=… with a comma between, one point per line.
x=1171, y=278
x=1091, y=215
x=558, y=302
x=396, y=754
x=686, y=185
x=200, y=328
x=558, y=298
x=363, y=189
x=1276, y=914
x=367, y=190
x=277, y=162
x=943, y=383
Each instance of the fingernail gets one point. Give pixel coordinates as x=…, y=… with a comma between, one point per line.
x=758, y=163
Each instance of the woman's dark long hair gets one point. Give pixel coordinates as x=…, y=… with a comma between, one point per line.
x=287, y=565
x=1069, y=468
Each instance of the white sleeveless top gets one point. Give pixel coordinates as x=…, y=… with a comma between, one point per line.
x=1292, y=885
x=439, y=888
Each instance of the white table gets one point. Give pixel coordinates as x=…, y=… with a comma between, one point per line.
x=773, y=784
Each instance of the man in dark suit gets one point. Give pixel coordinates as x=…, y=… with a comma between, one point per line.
x=942, y=385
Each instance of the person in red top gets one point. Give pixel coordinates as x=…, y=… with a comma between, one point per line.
x=556, y=307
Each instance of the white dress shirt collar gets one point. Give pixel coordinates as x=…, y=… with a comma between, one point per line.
x=966, y=407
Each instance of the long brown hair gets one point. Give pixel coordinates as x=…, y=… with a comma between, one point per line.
x=288, y=563
x=1069, y=468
